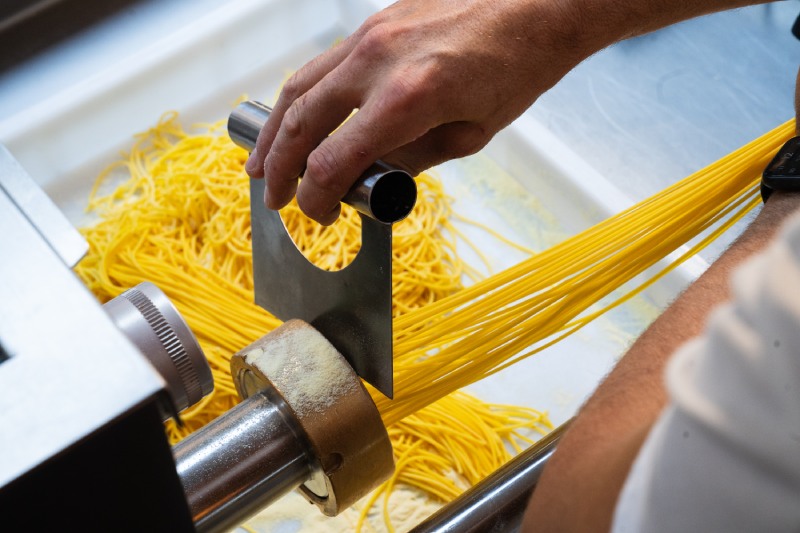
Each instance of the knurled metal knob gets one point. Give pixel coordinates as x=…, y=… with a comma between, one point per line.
x=147, y=317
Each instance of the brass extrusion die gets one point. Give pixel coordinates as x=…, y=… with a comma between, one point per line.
x=347, y=435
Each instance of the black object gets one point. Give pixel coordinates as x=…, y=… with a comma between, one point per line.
x=783, y=172
x=796, y=27
x=121, y=478
x=29, y=27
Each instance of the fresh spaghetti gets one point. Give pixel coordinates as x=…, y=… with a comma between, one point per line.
x=175, y=211
x=458, y=426
x=494, y=323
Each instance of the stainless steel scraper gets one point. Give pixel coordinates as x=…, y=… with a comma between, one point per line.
x=351, y=307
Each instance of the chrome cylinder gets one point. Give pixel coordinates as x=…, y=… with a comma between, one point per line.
x=306, y=422
x=242, y=462
x=498, y=502
x=383, y=192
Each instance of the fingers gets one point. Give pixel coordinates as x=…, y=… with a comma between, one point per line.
x=341, y=158
x=322, y=188
x=303, y=80
x=305, y=124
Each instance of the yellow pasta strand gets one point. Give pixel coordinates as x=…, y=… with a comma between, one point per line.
x=496, y=322
x=475, y=435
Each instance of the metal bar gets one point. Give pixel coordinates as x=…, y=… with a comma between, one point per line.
x=384, y=193
x=242, y=462
x=40, y=211
x=498, y=502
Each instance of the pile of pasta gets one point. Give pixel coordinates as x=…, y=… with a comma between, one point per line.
x=180, y=218
x=175, y=211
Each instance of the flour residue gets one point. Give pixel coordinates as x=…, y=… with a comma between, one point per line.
x=310, y=373
x=407, y=505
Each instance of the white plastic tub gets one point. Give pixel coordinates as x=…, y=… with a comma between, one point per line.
x=249, y=46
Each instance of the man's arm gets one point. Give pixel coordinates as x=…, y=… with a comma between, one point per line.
x=433, y=80
x=579, y=487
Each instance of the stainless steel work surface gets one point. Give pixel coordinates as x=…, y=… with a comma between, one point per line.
x=653, y=109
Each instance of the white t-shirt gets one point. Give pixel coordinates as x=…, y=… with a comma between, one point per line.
x=725, y=453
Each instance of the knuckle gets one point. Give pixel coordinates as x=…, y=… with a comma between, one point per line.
x=403, y=95
x=414, y=91
x=323, y=169
x=376, y=42
x=374, y=20
x=293, y=88
x=469, y=140
x=293, y=121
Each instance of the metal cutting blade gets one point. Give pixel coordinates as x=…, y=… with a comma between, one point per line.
x=351, y=307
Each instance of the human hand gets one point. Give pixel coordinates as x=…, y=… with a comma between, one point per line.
x=432, y=80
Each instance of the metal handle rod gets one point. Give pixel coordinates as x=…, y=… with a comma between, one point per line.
x=384, y=193
x=498, y=502
x=243, y=461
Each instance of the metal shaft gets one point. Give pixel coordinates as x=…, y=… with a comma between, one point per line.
x=498, y=502
x=242, y=462
x=384, y=193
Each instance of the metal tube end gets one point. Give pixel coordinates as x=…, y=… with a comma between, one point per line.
x=383, y=193
x=245, y=122
x=150, y=321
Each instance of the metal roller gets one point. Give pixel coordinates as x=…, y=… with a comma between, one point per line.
x=498, y=502
x=306, y=422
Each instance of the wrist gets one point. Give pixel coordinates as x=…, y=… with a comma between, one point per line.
x=781, y=204
x=599, y=23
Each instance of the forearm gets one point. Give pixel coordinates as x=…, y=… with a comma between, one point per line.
x=603, y=22
x=580, y=28
x=579, y=487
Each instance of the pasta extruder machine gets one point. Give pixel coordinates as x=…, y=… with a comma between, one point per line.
x=83, y=445
x=81, y=437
